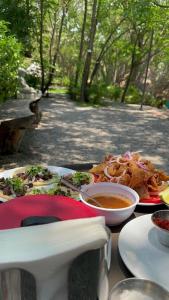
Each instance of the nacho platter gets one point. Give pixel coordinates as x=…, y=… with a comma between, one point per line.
x=136, y=172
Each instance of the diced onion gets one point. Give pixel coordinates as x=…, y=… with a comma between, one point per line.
x=113, y=178
x=121, y=163
x=112, y=161
x=128, y=155
x=142, y=166
x=106, y=173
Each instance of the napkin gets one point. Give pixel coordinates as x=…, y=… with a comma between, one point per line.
x=47, y=251
x=14, y=211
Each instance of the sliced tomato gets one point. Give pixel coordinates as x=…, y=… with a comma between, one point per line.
x=155, y=200
x=95, y=177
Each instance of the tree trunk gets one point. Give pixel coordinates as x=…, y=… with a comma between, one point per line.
x=86, y=70
x=104, y=50
x=28, y=7
x=52, y=68
x=130, y=73
x=138, y=58
x=52, y=38
x=147, y=67
x=114, y=75
x=81, y=44
x=41, y=44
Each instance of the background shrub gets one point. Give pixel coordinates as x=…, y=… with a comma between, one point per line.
x=10, y=59
x=114, y=92
x=133, y=95
x=33, y=75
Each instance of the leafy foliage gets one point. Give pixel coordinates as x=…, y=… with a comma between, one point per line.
x=33, y=76
x=20, y=18
x=51, y=32
x=10, y=58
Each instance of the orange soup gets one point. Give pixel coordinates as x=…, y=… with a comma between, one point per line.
x=110, y=201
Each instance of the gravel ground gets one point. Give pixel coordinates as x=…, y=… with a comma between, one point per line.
x=70, y=134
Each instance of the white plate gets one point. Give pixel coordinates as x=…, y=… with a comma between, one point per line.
x=59, y=170
x=149, y=204
x=142, y=253
x=56, y=170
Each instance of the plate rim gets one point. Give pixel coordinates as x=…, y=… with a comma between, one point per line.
x=149, y=204
x=128, y=263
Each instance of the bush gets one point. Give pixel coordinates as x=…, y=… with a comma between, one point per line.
x=95, y=93
x=33, y=81
x=114, y=92
x=74, y=92
x=133, y=95
x=10, y=58
x=62, y=81
x=33, y=75
x=150, y=100
x=65, y=81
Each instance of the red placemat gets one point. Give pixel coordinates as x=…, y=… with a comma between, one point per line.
x=15, y=210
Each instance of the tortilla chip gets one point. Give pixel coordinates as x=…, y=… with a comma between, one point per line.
x=125, y=179
x=163, y=176
x=133, y=171
x=98, y=169
x=137, y=176
x=142, y=191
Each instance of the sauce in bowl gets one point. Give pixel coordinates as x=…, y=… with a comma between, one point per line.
x=109, y=201
x=164, y=224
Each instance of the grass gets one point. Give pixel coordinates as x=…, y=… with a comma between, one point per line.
x=58, y=90
x=65, y=91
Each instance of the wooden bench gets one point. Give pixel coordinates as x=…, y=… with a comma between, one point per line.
x=17, y=116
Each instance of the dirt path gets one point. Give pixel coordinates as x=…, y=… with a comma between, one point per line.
x=72, y=134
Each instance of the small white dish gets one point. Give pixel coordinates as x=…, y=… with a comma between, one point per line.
x=157, y=218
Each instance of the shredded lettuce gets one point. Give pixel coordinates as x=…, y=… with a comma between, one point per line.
x=80, y=178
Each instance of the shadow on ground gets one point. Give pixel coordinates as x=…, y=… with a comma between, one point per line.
x=73, y=134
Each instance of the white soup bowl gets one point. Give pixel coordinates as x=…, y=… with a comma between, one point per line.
x=113, y=216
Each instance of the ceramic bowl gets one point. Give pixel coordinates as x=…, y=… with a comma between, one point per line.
x=160, y=220
x=112, y=216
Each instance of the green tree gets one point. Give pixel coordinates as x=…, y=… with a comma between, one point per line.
x=19, y=14
x=50, y=16
x=10, y=59
x=79, y=63
x=87, y=63
x=95, y=43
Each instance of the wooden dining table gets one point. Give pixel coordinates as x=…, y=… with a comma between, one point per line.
x=118, y=270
